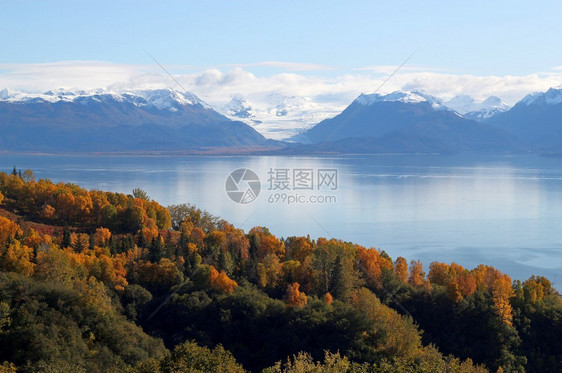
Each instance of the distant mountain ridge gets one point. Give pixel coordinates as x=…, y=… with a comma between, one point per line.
x=479, y=111
x=169, y=120
x=536, y=120
x=410, y=122
x=97, y=120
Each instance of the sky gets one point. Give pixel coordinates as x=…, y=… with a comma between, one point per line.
x=325, y=50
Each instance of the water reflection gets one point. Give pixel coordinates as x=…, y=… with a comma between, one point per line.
x=503, y=211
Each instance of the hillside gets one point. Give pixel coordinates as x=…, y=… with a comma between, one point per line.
x=94, y=281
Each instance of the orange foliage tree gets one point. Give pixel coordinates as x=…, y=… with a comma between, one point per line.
x=372, y=264
x=221, y=282
x=294, y=297
x=102, y=236
x=268, y=243
x=401, y=269
x=417, y=275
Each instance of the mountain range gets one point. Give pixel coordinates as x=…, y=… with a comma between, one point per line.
x=156, y=120
x=405, y=122
x=536, y=120
x=169, y=120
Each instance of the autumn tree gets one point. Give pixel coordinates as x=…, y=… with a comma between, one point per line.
x=401, y=269
x=269, y=271
x=372, y=265
x=438, y=273
x=536, y=288
x=102, y=237
x=294, y=297
x=16, y=257
x=298, y=248
x=502, y=292
x=9, y=230
x=221, y=282
x=267, y=243
x=417, y=275
x=197, y=236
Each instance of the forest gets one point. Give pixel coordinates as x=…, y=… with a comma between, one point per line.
x=95, y=281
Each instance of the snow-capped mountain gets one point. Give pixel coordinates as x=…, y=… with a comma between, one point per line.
x=536, y=120
x=404, y=122
x=551, y=97
x=162, y=99
x=99, y=120
x=238, y=108
x=478, y=111
x=489, y=108
x=413, y=97
x=277, y=116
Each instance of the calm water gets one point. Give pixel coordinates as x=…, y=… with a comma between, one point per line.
x=503, y=211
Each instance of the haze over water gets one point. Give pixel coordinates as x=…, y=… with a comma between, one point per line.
x=501, y=211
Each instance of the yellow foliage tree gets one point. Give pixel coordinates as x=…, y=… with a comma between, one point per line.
x=501, y=293
x=438, y=273
x=8, y=230
x=47, y=212
x=17, y=258
x=34, y=239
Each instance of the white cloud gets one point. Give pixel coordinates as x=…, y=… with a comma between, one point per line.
x=65, y=74
x=218, y=85
x=289, y=66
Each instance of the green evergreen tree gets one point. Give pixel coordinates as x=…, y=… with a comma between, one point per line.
x=66, y=242
x=343, y=279
x=141, y=240
x=156, y=250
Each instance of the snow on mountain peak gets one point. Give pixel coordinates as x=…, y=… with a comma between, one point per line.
x=464, y=104
x=238, y=107
x=492, y=101
x=278, y=116
x=551, y=97
x=163, y=99
x=168, y=99
x=413, y=97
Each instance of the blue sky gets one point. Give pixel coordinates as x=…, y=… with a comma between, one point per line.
x=470, y=46
x=470, y=37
